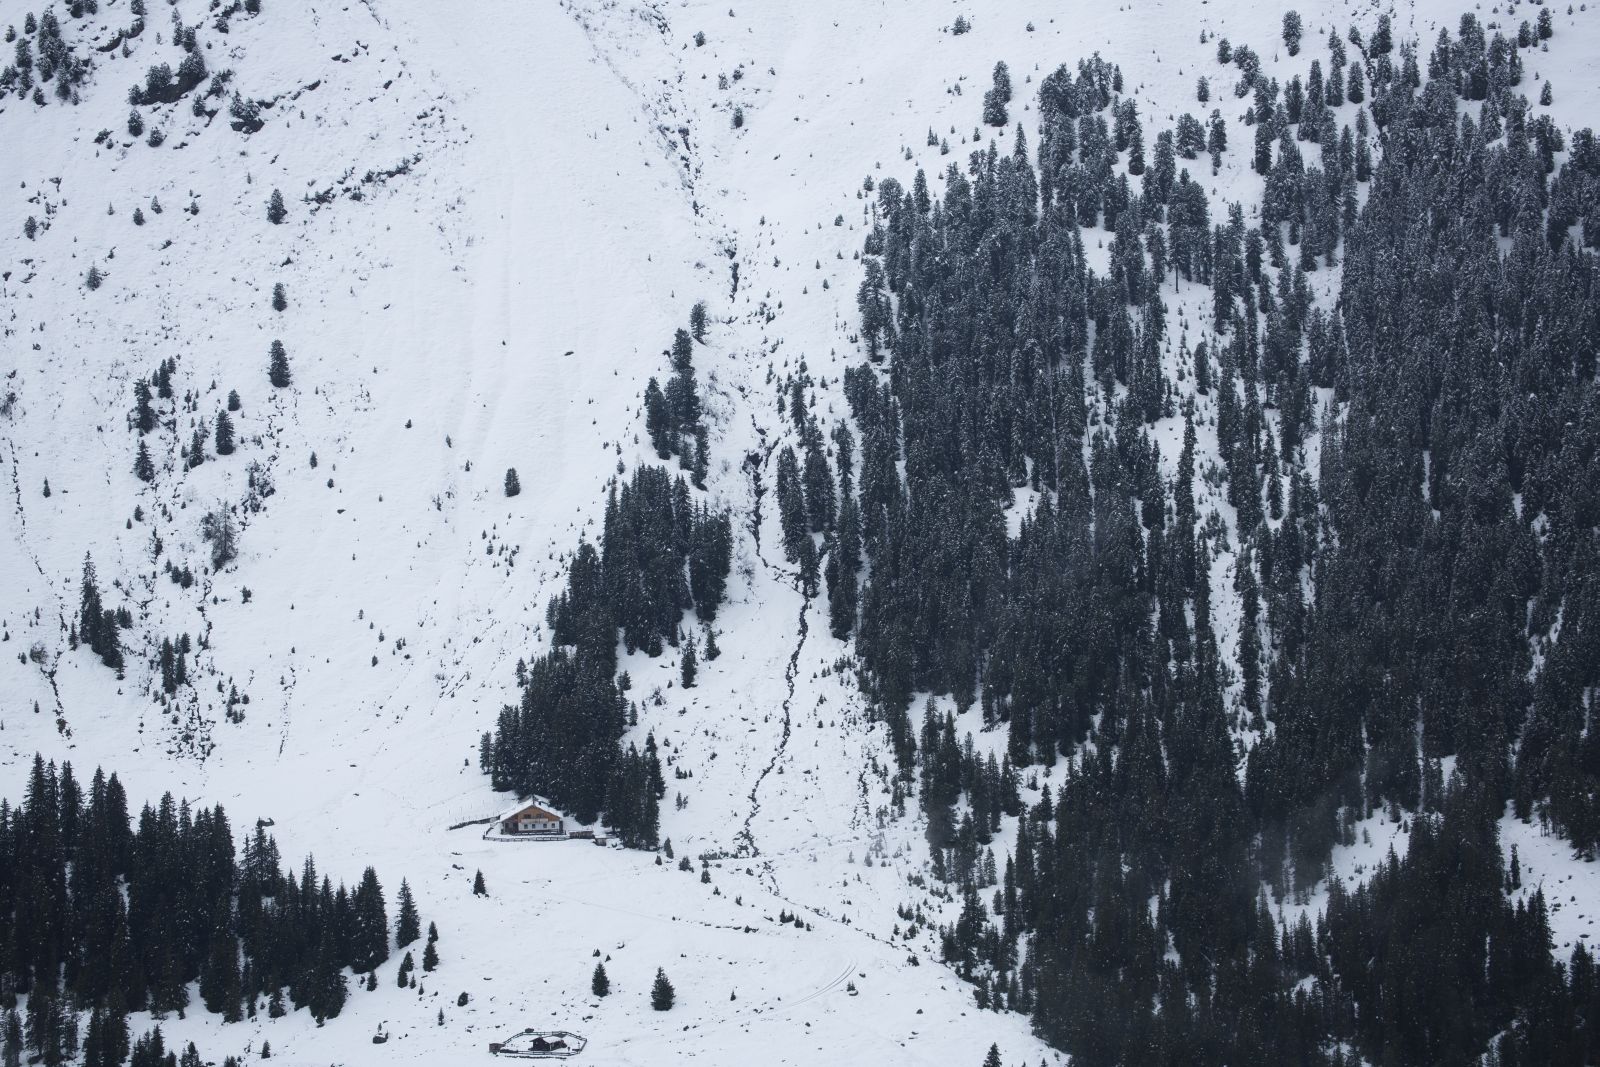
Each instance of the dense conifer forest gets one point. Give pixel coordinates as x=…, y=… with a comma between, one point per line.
x=1417, y=594
x=106, y=914
x=661, y=554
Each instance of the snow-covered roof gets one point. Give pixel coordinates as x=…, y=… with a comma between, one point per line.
x=534, y=806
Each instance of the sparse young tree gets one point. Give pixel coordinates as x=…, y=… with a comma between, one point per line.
x=280, y=300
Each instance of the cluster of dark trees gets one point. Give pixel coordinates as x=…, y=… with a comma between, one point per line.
x=162, y=86
x=105, y=916
x=1423, y=594
x=672, y=416
x=41, y=55
x=98, y=626
x=810, y=503
x=660, y=555
x=219, y=429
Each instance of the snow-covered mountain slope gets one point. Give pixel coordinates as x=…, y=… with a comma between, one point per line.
x=497, y=215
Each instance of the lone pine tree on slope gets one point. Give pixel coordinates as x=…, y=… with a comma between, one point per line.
x=691, y=664
x=661, y=993
x=1292, y=32
x=278, y=367
x=143, y=467
x=223, y=433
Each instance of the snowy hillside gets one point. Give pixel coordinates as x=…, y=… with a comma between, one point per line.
x=496, y=216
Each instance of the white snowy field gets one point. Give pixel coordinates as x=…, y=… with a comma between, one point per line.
x=522, y=201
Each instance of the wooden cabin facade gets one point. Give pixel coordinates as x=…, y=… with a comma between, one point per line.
x=533, y=820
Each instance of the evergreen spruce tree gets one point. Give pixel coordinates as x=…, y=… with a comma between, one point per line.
x=682, y=351
x=407, y=925
x=600, y=984
x=276, y=212
x=1292, y=32
x=143, y=467
x=513, y=486
x=369, y=942
x=690, y=665
x=657, y=419
x=278, y=366
x=661, y=992
x=223, y=434
x=144, y=417
x=430, y=956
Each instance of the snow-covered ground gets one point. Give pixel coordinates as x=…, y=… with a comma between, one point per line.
x=567, y=180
